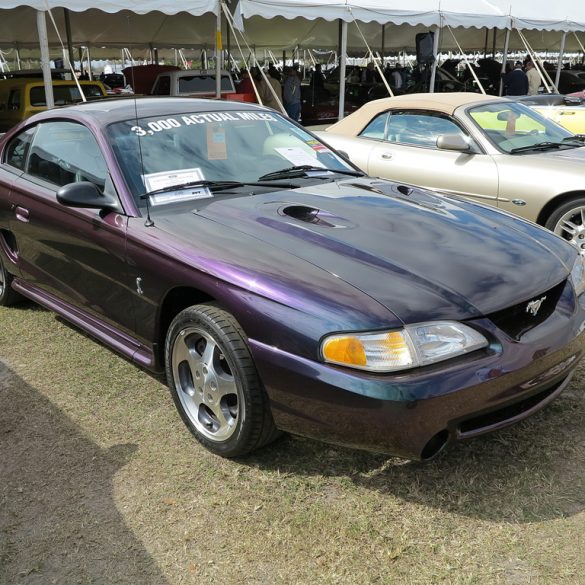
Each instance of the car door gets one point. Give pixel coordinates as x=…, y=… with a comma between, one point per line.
x=15, y=158
x=70, y=256
x=404, y=148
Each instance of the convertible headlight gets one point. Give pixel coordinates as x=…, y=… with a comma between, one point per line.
x=413, y=346
x=578, y=275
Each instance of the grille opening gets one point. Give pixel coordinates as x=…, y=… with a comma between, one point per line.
x=517, y=320
x=508, y=412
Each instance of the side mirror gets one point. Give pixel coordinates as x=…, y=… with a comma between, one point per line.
x=453, y=142
x=506, y=115
x=86, y=195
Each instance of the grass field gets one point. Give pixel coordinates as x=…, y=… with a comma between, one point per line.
x=101, y=483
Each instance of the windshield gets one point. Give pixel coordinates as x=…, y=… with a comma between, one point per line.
x=159, y=152
x=510, y=125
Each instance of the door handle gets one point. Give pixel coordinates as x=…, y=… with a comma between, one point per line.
x=386, y=155
x=22, y=214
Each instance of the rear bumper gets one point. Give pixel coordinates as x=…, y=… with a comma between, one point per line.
x=414, y=414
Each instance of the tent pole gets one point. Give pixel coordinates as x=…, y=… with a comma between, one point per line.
x=494, y=44
x=218, y=50
x=560, y=64
x=342, y=60
x=45, y=65
x=383, y=42
x=229, y=45
x=89, y=71
x=435, y=59
x=68, y=34
x=504, y=60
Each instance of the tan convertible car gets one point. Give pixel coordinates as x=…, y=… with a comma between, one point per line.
x=489, y=149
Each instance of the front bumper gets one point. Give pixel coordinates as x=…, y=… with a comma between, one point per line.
x=414, y=414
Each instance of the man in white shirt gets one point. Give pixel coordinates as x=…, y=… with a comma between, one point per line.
x=533, y=78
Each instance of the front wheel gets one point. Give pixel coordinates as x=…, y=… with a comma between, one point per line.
x=568, y=221
x=214, y=382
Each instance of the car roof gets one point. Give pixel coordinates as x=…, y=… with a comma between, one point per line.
x=441, y=102
x=118, y=109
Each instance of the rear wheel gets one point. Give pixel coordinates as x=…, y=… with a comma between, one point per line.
x=214, y=382
x=568, y=221
x=7, y=295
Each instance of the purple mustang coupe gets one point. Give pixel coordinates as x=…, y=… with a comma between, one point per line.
x=279, y=287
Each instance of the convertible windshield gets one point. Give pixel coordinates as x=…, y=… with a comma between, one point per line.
x=515, y=128
x=158, y=153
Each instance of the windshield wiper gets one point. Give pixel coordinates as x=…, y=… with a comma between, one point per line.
x=542, y=146
x=575, y=137
x=214, y=186
x=300, y=170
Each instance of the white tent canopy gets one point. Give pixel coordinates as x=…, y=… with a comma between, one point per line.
x=195, y=7
x=287, y=35
x=95, y=28
x=478, y=13
x=532, y=14
x=192, y=7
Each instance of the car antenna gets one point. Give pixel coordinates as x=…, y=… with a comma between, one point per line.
x=148, y=222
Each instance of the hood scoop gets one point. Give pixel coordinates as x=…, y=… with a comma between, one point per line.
x=315, y=216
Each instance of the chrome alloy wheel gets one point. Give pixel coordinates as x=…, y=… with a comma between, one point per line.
x=205, y=384
x=571, y=227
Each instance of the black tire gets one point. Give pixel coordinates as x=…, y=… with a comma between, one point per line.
x=214, y=382
x=568, y=221
x=7, y=295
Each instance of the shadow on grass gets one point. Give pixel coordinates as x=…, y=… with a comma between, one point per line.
x=58, y=518
x=528, y=473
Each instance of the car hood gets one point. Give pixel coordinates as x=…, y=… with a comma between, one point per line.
x=574, y=155
x=420, y=255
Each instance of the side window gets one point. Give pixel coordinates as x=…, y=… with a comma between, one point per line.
x=420, y=128
x=18, y=148
x=66, y=152
x=163, y=86
x=377, y=127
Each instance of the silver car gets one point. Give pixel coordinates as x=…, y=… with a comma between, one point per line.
x=489, y=149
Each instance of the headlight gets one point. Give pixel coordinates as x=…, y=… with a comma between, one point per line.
x=578, y=275
x=411, y=347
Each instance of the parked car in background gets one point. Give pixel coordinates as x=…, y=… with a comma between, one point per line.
x=192, y=83
x=567, y=111
x=570, y=80
x=21, y=97
x=277, y=285
x=489, y=149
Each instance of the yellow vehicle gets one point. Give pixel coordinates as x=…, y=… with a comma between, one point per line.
x=568, y=111
x=21, y=97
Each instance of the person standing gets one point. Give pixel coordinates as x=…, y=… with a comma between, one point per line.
x=533, y=78
x=516, y=82
x=292, y=94
x=267, y=95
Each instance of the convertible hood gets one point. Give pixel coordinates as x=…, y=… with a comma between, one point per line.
x=421, y=256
